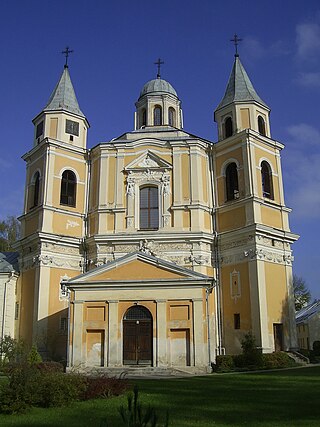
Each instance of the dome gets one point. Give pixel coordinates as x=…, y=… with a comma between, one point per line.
x=157, y=86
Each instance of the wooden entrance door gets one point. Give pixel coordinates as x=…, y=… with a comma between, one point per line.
x=137, y=337
x=278, y=336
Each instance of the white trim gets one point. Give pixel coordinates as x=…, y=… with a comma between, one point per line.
x=264, y=159
x=226, y=163
x=68, y=168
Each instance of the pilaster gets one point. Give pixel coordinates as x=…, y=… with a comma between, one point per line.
x=114, y=347
x=162, y=341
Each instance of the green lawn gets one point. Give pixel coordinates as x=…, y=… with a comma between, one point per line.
x=283, y=398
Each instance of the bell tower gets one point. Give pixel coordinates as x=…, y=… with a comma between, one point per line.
x=53, y=222
x=254, y=237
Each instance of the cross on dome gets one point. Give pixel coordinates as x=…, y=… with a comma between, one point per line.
x=159, y=63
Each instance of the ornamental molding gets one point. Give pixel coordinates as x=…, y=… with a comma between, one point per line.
x=184, y=253
x=55, y=248
x=259, y=239
x=235, y=285
x=197, y=259
x=148, y=160
x=50, y=261
x=137, y=178
x=237, y=243
x=147, y=247
x=257, y=254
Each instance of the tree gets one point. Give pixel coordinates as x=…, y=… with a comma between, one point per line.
x=302, y=295
x=9, y=233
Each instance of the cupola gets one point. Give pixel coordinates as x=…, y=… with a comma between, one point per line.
x=158, y=105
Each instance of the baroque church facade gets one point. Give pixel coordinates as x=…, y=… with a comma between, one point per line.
x=158, y=248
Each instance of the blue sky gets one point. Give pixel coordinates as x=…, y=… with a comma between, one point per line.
x=115, y=44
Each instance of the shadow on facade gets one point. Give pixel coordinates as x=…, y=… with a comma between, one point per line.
x=51, y=338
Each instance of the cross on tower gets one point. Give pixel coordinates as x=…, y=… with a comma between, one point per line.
x=159, y=63
x=66, y=52
x=236, y=41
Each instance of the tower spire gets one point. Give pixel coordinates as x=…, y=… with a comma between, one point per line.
x=239, y=87
x=63, y=96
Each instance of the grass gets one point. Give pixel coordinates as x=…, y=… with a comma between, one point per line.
x=280, y=398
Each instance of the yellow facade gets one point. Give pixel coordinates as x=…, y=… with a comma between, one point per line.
x=158, y=235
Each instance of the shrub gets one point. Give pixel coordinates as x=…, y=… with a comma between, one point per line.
x=224, y=363
x=251, y=354
x=58, y=389
x=104, y=386
x=240, y=361
x=316, y=348
x=49, y=367
x=277, y=360
x=12, y=350
x=30, y=386
x=16, y=395
x=45, y=384
x=34, y=356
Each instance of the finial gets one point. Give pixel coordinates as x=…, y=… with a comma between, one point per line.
x=66, y=52
x=236, y=41
x=159, y=63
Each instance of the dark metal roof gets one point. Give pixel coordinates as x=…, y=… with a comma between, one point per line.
x=9, y=262
x=308, y=311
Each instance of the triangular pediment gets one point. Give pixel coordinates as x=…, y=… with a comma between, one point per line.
x=137, y=267
x=148, y=160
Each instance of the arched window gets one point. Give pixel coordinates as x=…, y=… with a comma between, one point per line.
x=261, y=125
x=172, y=116
x=143, y=118
x=157, y=115
x=36, y=189
x=266, y=178
x=68, y=189
x=232, y=186
x=149, y=208
x=228, y=126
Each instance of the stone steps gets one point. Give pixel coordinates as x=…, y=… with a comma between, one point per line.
x=298, y=357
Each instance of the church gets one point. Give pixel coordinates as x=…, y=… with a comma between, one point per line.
x=158, y=248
